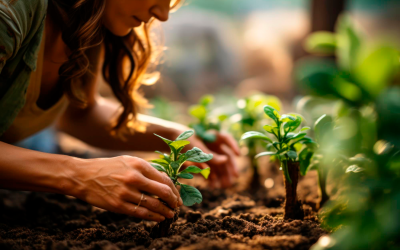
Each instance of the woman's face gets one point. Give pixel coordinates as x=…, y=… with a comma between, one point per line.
x=121, y=16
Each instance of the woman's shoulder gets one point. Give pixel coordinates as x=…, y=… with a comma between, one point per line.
x=23, y=15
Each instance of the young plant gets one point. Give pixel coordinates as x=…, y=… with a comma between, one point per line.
x=171, y=164
x=294, y=151
x=249, y=118
x=204, y=123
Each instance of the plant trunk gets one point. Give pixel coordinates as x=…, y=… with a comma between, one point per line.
x=162, y=228
x=255, y=180
x=293, y=207
x=322, y=186
x=324, y=14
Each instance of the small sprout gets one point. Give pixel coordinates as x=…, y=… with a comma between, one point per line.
x=171, y=164
x=204, y=125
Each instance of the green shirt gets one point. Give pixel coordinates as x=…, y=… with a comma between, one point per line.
x=21, y=30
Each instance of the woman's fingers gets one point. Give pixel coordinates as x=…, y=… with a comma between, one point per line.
x=230, y=142
x=152, y=204
x=231, y=160
x=157, y=176
x=140, y=212
x=163, y=191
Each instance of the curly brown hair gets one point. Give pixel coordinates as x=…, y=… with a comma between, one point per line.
x=126, y=58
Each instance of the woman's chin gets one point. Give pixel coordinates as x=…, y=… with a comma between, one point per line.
x=121, y=32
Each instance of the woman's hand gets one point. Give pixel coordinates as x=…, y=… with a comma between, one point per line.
x=117, y=184
x=223, y=166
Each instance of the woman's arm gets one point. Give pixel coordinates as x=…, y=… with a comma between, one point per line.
x=92, y=125
x=115, y=184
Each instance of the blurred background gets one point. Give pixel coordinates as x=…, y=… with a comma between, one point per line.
x=232, y=48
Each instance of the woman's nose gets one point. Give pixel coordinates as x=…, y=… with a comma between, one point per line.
x=161, y=11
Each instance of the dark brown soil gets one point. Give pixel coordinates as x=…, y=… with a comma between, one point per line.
x=231, y=219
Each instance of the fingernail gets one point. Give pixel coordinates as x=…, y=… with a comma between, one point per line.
x=170, y=214
x=180, y=201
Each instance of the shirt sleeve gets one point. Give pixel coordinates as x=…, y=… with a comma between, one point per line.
x=10, y=35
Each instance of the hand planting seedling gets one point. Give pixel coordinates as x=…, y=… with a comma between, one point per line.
x=204, y=125
x=249, y=118
x=294, y=151
x=171, y=164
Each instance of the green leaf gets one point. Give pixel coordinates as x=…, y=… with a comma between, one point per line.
x=190, y=195
x=348, y=42
x=164, y=139
x=292, y=155
x=196, y=155
x=195, y=170
x=272, y=113
x=255, y=135
x=265, y=154
x=158, y=167
x=321, y=43
x=207, y=100
x=271, y=129
x=201, y=132
x=305, y=129
x=179, y=144
x=192, y=169
x=185, y=176
x=377, y=69
x=287, y=118
x=291, y=126
x=185, y=135
x=298, y=136
x=198, y=111
x=175, y=165
x=161, y=162
x=205, y=172
x=223, y=117
x=323, y=127
x=305, y=160
x=387, y=108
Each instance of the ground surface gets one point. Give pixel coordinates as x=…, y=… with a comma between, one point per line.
x=231, y=219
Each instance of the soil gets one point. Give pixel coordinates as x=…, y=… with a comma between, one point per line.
x=227, y=219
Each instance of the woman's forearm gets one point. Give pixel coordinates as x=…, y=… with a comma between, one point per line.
x=93, y=127
x=24, y=169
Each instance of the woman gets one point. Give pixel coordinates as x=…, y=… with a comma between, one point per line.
x=48, y=71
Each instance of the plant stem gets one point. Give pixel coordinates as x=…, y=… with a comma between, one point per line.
x=255, y=181
x=322, y=175
x=293, y=207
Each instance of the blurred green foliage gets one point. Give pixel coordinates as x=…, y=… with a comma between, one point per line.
x=206, y=122
x=363, y=81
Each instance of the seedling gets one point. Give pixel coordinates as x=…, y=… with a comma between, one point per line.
x=249, y=118
x=171, y=164
x=285, y=148
x=204, y=123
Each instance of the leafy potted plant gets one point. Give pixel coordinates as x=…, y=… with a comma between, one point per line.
x=171, y=164
x=294, y=151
